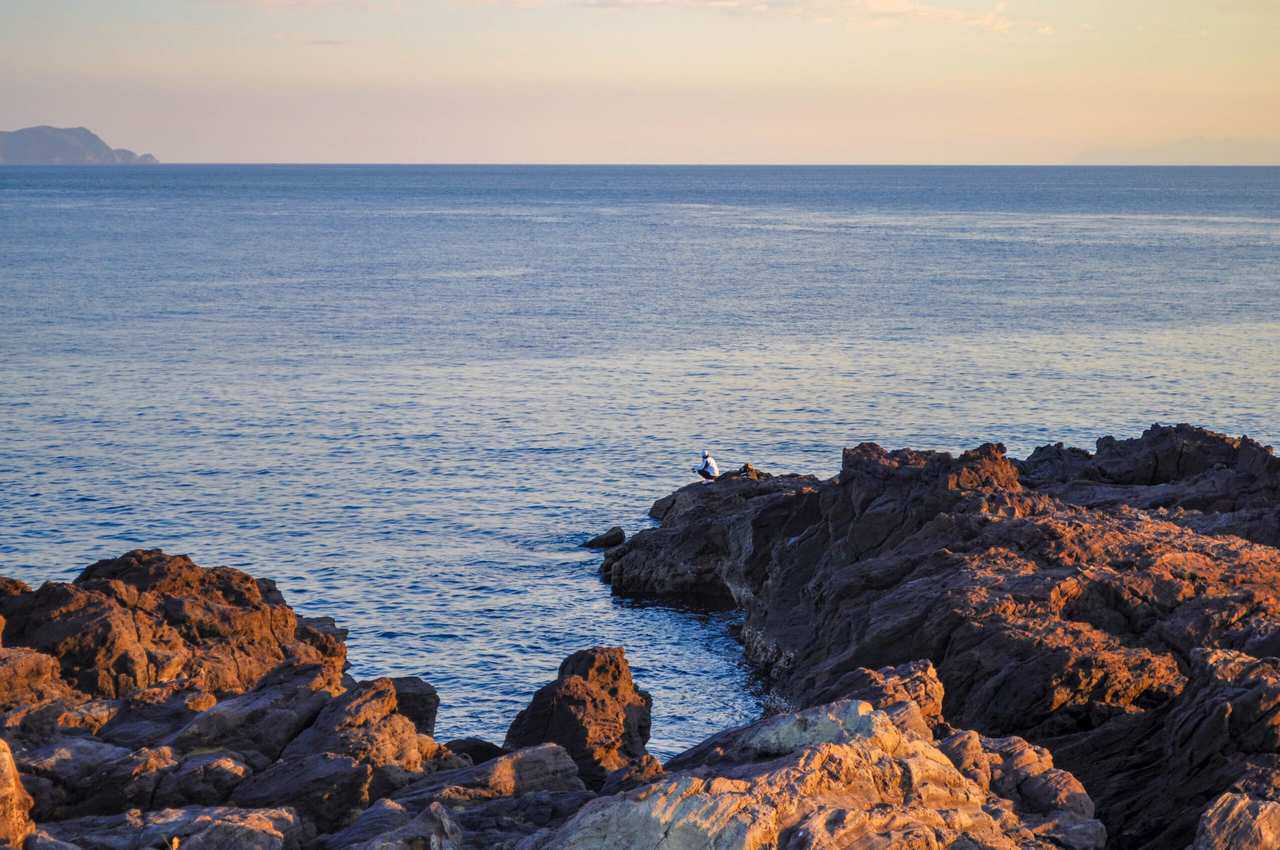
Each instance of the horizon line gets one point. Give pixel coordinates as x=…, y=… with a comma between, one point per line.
x=570, y=164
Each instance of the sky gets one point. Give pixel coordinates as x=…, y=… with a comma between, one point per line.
x=653, y=81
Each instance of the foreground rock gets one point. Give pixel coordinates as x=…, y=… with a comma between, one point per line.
x=843, y=775
x=1050, y=612
x=210, y=828
x=593, y=710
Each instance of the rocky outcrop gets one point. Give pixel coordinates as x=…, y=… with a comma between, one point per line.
x=1069, y=600
x=593, y=710
x=1207, y=481
x=841, y=775
x=129, y=623
x=150, y=693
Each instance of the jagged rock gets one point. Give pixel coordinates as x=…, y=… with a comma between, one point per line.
x=121, y=784
x=1239, y=822
x=418, y=701
x=327, y=790
x=546, y=767
x=196, y=828
x=432, y=829
x=593, y=710
x=66, y=766
x=834, y=723
x=476, y=749
x=642, y=771
x=258, y=725
x=1046, y=618
x=203, y=779
x=833, y=776
x=910, y=694
x=363, y=724
x=1213, y=483
x=613, y=537
x=147, y=618
x=153, y=715
x=504, y=822
x=382, y=817
x=47, y=721
x=29, y=678
x=15, y=802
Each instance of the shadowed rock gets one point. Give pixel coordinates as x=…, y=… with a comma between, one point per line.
x=215, y=828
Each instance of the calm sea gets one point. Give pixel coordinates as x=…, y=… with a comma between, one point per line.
x=408, y=393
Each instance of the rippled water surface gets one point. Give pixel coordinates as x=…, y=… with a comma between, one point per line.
x=408, y=393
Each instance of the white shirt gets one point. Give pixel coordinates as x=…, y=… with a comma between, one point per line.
x=709, y=465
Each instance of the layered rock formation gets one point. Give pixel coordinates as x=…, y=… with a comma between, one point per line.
x=1119, y=608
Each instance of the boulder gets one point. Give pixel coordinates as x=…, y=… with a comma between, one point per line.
x=613, y=537
x=147, y=618
x=15, y=802
x=593, y=710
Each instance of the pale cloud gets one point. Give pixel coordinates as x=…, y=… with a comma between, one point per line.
x=996, y=19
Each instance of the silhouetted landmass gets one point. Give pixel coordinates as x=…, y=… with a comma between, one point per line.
x=63, y=146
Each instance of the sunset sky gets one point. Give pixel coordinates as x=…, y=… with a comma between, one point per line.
x=850, y=81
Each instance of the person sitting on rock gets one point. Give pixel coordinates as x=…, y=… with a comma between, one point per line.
x=708, y=469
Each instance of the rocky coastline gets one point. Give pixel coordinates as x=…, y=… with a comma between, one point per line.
x=1076, y=650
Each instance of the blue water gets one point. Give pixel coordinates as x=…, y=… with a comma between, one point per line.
x=408, y=393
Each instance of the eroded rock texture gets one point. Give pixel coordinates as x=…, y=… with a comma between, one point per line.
x=843, y=775
x=145, y=618
x=153, y=700
x=1119, y=608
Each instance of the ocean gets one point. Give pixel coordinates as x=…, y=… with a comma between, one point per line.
x=408, y=393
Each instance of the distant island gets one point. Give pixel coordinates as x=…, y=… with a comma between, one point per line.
x=63, y=146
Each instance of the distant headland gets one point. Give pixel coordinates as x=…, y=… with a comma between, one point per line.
x=63, y=146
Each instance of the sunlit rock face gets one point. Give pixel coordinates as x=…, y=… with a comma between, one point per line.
x=1081, y=601
x=846, y=775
